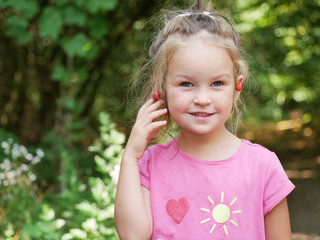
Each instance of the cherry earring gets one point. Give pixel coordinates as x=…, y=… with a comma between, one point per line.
x=156, y=96
x=240, y=85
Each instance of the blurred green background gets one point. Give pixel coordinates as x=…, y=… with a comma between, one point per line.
x=65, y=67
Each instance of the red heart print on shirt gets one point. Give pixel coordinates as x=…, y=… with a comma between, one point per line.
x=178, y=209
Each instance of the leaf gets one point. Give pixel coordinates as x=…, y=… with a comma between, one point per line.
x=50, y=22
x=68, y=103
x=61, y=74
x=77, y=136
x=94, y=6
x=51, y=236
x=17, y=27
x=4, y=4
x=78, y=125
x=27, y=9
x=32, y=230
x=79, y=45
x=80, y=3
x=83, y=74
x=72, y=16
x=98, y=26
x=17, y=22
x=61, y=2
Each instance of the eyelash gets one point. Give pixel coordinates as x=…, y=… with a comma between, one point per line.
x=214, y=84
x=217, y=82
x=186, y=84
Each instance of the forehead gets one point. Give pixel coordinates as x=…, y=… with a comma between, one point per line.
x=200, y=54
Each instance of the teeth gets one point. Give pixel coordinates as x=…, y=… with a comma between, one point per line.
x=201, y=114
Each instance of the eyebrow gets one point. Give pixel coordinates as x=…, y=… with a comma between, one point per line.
x=223, y=75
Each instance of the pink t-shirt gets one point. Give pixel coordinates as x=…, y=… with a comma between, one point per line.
x=197, y=199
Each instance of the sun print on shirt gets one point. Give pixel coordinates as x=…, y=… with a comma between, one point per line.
x=221, y=214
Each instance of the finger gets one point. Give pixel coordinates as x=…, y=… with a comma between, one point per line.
x=155, y=126
x=144, y=121
x=158, y=113
x=145, y=105
x=148, y=108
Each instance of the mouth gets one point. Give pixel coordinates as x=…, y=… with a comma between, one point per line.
x=201, y=114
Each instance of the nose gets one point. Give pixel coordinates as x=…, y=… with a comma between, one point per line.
x=202, y=98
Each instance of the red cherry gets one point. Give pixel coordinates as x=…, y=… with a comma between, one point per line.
x=156, y=96
x=240, y=86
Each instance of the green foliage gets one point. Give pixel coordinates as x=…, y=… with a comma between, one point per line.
x=93, y=218
x=17, y=185
x=99, y=221
x=47, y=29
x=100, y=5
x=64, y=61
x=79, y=45
x=75, y=213
x=282, y=37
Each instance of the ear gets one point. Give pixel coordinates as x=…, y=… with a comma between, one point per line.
x=237, y=93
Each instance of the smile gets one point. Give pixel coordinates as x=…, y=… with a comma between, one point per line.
x=202, y=114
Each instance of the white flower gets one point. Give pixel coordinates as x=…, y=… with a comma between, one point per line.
x=4, y=145
x=90, y=225
x=78, y=233
x=15, y=153
x=6, y=165
x=29, y=156
x=114, y=174
x=10, y=175
x=32, y=177
x=36, y=160
x=5, y=183
x=12, y=181
x=24, y=167
x=60, y=223
x=23, y=150
x=40, y=153
x=67, y=236
x=18, y=172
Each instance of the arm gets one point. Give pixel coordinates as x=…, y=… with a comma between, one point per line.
x=277, y=222
x=133, y=217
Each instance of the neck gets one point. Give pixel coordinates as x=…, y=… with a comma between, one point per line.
x=213, y=146
x=195, y=139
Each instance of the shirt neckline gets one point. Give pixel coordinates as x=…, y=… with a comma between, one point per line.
x=207, y=162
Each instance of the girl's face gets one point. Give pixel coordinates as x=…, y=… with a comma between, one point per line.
x=200, y=87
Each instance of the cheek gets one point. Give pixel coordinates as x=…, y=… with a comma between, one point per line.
x=176, y=105
x=224, y=103
x=176, y=100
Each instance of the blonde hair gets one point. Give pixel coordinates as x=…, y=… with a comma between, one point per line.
x=178, y=28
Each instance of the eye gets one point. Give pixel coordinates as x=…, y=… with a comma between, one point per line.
x=186, y=84
x=217, y=84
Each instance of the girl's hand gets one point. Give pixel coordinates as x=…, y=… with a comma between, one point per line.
x=145, y=128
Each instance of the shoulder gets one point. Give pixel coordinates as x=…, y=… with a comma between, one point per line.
x=258, y=154
x=162, y=148
x=156, y=152
x=167, y=150
x=250, y=148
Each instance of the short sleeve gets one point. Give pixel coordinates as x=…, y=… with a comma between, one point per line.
x=277, y=185
x=144, y=169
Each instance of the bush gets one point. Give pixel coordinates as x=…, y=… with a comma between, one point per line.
x=82, y=212
x=17, y=185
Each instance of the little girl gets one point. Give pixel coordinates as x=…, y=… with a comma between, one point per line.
x=206, y=183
